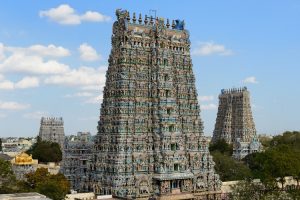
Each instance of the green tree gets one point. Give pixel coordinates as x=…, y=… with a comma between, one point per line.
x=230, y=169
x=295, y=194
x=53, y=186
x=281, y=159
x=52, y=190
x=7, y=178
x=274, y=163
x=292, y=139
x=221, y=146
x=297, y=177
x=265, y=141
x=46, y=151
x=247, y=189
x=33, y=179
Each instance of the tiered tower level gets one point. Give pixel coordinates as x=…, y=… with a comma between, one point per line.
x=234, y=119
x=150, y=136
x=76, y=160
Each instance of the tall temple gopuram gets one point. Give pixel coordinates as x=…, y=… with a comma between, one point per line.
x=235, y=122
x=150, y=139
x=52, y=129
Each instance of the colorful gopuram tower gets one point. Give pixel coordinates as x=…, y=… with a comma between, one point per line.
x=235, y=122
x=150, y=135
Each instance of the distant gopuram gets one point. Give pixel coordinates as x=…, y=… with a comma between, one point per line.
x=235, y=123
x=52, y=129
x=150, y=139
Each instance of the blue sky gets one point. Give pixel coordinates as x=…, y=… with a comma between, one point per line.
x=53, y=58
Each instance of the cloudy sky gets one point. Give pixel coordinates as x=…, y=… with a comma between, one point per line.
x=53, y=59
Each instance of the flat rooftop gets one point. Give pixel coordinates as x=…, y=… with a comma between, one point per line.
x=23, y=196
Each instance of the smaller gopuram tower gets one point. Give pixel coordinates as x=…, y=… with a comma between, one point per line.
x=52, y=129
x=235, y=122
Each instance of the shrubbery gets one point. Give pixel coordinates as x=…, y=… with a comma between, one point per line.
x=281, y=158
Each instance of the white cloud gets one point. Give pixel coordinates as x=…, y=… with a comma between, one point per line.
x=35, y=115
x=2, y=55
x=32, y=64
x=63, y=14
x=210, y=48
x=50, y=50
x=205, y=98
x=88, y=53
x=82, y=77
x=79, y=94
x=95, y=17
x=95, y=100
x=92, y=87
x=251, y=79
x=210, y=106
x=66, y=15
x=93, y=118
x=11, y=105
x=33, y=59
x=6, y=85
x=40, y=50
x=27, y=82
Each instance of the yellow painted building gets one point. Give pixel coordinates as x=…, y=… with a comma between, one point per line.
x=23, y=164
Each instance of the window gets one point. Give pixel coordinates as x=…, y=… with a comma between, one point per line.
x=168, y=93
x=169, y=111
x=166, y=77
x=171, y=128
x=176, y=184
x=176, y=167
x=165, y=62
x=173, y=147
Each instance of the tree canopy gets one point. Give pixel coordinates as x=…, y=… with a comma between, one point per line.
x=7, y=177
x=46, y=151
x=281, y=158
x=221, y=146
x=228, y=168
x=248, y=189
x=53, y=186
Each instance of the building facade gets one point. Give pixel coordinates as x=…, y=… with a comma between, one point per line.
x=242, y=149
x=52, y=129
x=235, y=122
x=150, y=135
x=13, y=146
x=76, y=161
